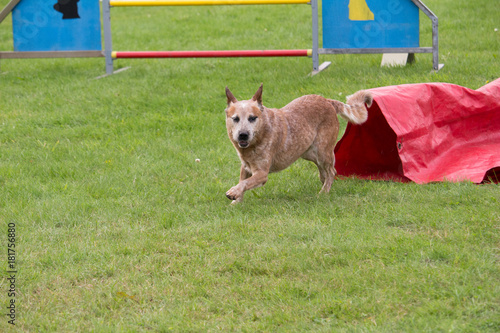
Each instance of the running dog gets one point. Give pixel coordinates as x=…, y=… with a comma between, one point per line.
x=270, y=140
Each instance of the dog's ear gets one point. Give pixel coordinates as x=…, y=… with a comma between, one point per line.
x=258, y=96
x=230, y=97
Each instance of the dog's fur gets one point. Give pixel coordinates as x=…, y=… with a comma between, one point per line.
x=270, y=140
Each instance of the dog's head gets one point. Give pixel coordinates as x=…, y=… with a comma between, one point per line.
x=243, y=118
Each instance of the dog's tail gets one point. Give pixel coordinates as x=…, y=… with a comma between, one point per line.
x=355, y=110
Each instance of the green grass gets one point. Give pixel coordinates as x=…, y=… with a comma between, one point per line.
x=119, y=229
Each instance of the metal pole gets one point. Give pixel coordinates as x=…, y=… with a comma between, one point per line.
x=315, y=45
x=435, y=44
x=7, y=9
x=108, y=48
x=435, y=32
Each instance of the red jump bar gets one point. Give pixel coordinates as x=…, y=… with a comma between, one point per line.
x=212, y=54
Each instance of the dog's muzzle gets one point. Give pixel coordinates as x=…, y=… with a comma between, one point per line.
x=243, y=139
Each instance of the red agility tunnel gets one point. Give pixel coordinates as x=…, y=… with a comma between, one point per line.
x=425, y=133
x=212, y=54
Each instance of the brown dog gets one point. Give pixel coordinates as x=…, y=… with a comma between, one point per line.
x=270, y=140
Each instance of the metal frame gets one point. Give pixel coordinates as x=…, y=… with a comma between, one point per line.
x=50, y=54
x=410, y=50
x=435, y=33
x=7, y=9
x=108, y=45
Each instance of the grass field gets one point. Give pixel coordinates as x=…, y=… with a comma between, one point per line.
x=118, y=229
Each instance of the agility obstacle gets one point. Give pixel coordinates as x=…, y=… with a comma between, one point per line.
x=42, y=29
x=112, y=55
x=388, y=27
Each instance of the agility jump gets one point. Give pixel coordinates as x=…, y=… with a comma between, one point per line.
x=354, y=28
x=111, y=55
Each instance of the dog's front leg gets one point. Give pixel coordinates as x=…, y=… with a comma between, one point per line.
x=258, y=178
x=244, y=174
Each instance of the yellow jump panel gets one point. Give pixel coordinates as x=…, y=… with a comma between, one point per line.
x=130, y=3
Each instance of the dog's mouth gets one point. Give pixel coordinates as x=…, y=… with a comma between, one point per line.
x=243, y=144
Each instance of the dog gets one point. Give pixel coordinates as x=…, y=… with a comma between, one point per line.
x=270, y=140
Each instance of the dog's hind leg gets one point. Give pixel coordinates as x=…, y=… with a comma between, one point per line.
x=327, y=169
x=312, y=155
x=325, y=161
x=326, y=157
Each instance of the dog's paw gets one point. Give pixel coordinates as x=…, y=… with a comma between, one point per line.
x=235, y=194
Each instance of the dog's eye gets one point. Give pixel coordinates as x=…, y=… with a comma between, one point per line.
x=252, y=119
x=236, y=119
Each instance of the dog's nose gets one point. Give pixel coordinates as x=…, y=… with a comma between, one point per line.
x=243, y=136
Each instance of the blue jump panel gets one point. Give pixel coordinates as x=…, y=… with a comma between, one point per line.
x=57, y=25
x=370, y=24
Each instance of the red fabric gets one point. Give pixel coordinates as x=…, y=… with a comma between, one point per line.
x=425, y=133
